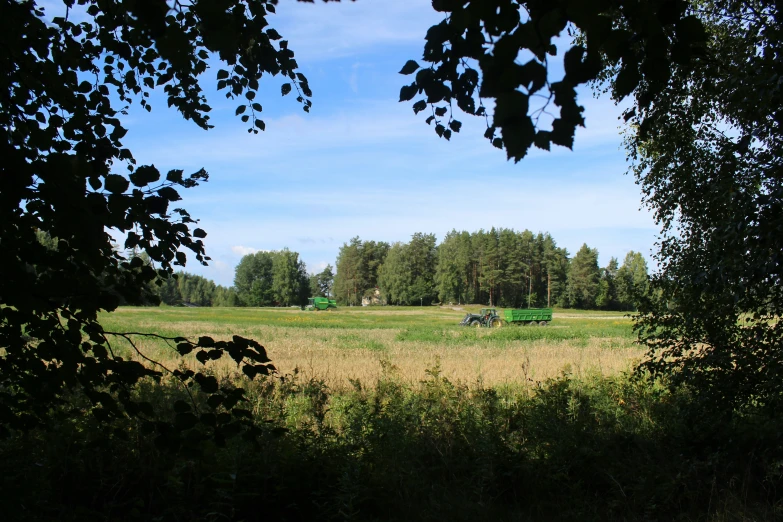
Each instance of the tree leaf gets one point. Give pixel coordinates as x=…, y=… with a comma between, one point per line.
x=208, y=384
x=409, y=68
x=408, y=92
x=206, y=342
x=116, y=184
x=144, y=175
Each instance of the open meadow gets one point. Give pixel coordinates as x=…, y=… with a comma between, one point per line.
x=398, y=414
x=361, y=343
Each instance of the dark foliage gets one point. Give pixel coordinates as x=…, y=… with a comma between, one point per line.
x=574, y=450
x=709, y=158
x=63, y=89
x=501, y=50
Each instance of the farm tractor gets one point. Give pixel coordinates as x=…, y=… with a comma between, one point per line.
x=487, y=317
x=320, y=303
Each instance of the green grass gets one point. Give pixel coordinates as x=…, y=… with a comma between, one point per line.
x=425, y=324
x=351, y=342
x=346, y=317
x=172, y=320
x=561, y=330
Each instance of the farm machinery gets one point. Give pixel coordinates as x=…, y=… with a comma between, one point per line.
x=320, y=303
x=488, y=317
x=531, y=316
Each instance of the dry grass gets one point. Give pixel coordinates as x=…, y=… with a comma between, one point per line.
x=405, y=341
x=342, y=354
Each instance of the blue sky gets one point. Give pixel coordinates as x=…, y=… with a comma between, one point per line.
x=362, y=164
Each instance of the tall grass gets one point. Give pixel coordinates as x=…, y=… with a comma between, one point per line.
x=349, y=343
x=594, y=448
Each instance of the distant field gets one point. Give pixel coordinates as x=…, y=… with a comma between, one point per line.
x=361, y=343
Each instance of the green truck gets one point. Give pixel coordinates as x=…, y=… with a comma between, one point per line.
x=320, y=303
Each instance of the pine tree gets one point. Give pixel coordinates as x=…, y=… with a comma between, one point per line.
x=583, y=278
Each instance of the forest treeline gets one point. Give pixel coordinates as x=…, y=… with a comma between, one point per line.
x=267, y=278
x=500, y=267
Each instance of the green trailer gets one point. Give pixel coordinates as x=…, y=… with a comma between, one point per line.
x=540, y=316
x=320, y=303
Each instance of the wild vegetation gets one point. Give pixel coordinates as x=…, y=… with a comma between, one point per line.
x=87, y=432
x=395, y=413
x=520, y=423
x=357, y=343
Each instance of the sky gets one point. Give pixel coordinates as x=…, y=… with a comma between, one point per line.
x=362, y=164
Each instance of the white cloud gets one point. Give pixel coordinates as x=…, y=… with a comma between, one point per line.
x=371, y=131
x=353, y=80
x=375, y=170
x=325, y=31
x=243, y=250
x=539, y=203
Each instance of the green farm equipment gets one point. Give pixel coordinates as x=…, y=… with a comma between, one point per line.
x=540, y=316
x=487, y=317
x=320, y=303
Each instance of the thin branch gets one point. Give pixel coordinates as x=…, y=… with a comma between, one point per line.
x=127, y=337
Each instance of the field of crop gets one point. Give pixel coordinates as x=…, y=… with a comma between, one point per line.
x=444, y=423
x=361, y=343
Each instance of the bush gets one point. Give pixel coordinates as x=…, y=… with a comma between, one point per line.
x=591, y=449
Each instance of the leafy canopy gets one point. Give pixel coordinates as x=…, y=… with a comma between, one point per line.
x=502, y=50
x=65, y=83
x=709, y=162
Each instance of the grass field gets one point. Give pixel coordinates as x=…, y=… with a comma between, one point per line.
x=361, y=343
x=404, y=443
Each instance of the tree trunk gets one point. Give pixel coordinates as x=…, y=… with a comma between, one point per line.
x=548, y=289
